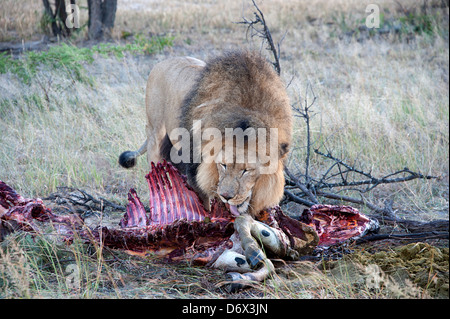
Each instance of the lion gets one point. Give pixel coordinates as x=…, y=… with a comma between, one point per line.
x=238, y=90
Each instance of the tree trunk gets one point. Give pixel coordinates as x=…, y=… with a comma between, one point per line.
x=109, y=8
x=102, y=14
x=58, y=17
x=95, y=19
x=49, y=13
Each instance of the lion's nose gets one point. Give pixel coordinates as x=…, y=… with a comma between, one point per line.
x=226, y=196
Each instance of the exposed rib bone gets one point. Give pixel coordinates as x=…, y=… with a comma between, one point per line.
x=172, y=199
x=136, y=215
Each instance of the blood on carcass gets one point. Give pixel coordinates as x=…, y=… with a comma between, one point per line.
x=178, y=226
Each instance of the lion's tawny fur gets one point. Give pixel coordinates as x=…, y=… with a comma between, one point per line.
x=238, y=88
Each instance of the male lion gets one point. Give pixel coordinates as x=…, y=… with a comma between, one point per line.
x=239, y=90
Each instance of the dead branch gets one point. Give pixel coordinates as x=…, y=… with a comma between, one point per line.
x=302, y=187
x=343, y=176
x=80, y=198
x=304, y=111
x=264, y=34
x=297, y=199
x=15, y=48
x=351, y=200
x=413, y=236
x=371, y=181
x=338, y=176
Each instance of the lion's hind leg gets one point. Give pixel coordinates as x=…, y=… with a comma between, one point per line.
x=156, y=133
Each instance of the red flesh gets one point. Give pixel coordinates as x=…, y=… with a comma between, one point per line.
x=178, y=226
x=336, y=224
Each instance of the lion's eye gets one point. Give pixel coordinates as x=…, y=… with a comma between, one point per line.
x=245, y=171
x=223, y=166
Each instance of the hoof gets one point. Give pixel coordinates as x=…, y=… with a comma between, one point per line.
x=234, y=285
x=254, y=258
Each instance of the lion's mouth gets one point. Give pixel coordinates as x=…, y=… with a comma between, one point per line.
x=241, y=208
x=234, y=210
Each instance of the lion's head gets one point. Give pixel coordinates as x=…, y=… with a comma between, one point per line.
x=235, y=185
x=246, y=175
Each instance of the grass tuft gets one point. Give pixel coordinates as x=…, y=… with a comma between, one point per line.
x=71, y=59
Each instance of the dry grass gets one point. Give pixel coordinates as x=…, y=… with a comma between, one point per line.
x=382, y=101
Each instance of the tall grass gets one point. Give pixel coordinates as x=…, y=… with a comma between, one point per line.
x=382, y=110
x=70, y=58
x=42, y=267
x=58, y=113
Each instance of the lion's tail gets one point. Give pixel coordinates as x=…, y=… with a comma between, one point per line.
x=128, y=159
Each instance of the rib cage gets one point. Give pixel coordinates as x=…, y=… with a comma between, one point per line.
x=171, y=199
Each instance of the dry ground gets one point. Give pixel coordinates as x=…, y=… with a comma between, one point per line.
x=382, y=103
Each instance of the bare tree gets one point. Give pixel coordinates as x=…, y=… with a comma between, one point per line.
x=58, y=17
x=102, y=14
x=306, y=188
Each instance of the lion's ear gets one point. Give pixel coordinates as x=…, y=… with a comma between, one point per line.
x=283, y=149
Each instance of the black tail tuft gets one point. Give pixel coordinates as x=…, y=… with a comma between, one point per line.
x=127, y=159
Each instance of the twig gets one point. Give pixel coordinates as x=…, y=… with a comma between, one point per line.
x=297, y=199
x=84, y=200
x=302, y=187
x=264, y=34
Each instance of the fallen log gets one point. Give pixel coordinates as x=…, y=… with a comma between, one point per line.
x=16, y=48
x=415, y=226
